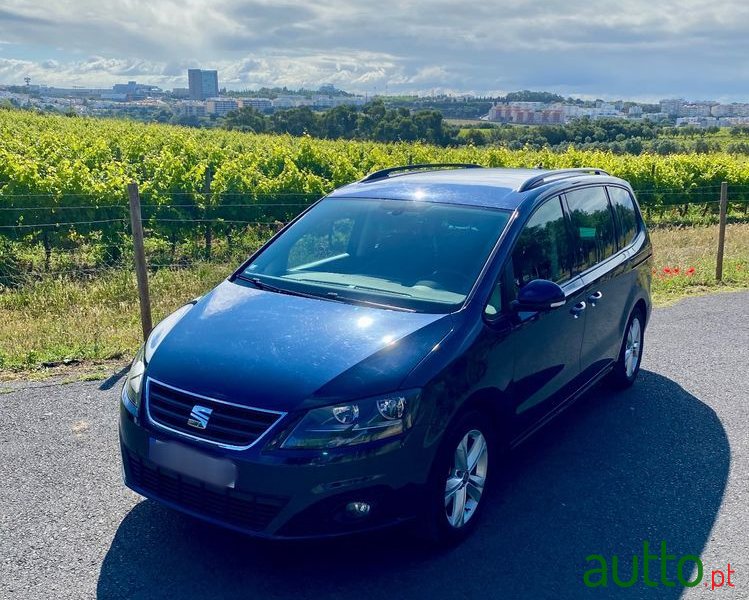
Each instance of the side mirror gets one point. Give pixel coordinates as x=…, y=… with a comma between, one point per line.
x=539, y=295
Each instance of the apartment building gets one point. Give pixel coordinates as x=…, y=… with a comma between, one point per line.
x=202, y=84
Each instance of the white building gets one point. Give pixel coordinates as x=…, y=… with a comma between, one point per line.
x=319, y=101
x=193, y=108
x=634, y=112
x=698, y=109
x=261, y=104
x=672, y=107
x=730, y=110
x=283, y=102
x=221, y=106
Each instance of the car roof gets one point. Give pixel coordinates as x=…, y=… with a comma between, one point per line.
x=484, y=187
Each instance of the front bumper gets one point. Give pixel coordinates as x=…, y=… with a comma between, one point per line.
x=280, y=494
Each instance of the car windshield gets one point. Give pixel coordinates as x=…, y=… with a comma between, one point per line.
x=405, y=254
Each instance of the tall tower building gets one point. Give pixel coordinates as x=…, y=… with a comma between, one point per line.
x=202, y=84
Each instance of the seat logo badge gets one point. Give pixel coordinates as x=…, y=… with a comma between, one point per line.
x=199, y=416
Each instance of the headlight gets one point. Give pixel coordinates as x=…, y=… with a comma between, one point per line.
x=131, y=392
x=355, y=422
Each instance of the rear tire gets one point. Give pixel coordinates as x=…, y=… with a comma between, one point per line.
x=627, y=365
x=456, y=492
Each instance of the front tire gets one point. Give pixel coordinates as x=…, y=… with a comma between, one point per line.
x=627, y=365
x=456, y=492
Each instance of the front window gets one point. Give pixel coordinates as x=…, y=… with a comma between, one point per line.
x=405, y=254
x=543, y=249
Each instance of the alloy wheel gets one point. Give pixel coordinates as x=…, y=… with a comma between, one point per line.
x=632, y=348
x=466, y=478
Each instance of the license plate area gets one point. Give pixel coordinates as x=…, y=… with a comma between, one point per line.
x=219, y=472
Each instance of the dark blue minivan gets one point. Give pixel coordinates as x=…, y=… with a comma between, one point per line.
x=374, y=361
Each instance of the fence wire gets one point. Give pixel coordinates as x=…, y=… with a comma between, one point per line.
x=48, y=236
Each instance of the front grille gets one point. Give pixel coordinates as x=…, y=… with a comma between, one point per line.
x=228, y=424
x=247, y=511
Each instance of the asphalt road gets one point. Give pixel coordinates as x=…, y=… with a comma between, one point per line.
x=667, y=460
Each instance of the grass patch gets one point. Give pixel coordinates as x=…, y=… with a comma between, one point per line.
x=54, y=321
x=685, y=259
x=58, y=320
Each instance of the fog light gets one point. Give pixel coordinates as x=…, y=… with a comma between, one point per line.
x=358, y=510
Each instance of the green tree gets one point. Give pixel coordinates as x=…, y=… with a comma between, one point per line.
x=339, y=122
x=633, y=146
x=296, y=121
x=246, y=118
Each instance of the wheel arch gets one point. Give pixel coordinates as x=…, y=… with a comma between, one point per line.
x=642, y=306
x=489, y=401
x=496, y=405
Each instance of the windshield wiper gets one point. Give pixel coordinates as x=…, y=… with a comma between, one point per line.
x=374, y=289
x=349, y=300
x=356, y=286
x=258, y=283
x=332, y=296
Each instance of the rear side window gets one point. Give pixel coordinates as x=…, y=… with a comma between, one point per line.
x=543, y=249
x=624, y=207
x=593, y=226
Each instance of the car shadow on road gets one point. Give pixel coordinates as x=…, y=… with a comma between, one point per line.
x=112, y=380
x=617, y=469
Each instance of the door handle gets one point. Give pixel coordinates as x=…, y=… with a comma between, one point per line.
x=593, y=298
x=577, y=309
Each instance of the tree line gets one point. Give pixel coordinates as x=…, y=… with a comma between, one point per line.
x=380, y=123
x=374, y=122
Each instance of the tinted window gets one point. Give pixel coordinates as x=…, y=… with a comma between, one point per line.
x=327, y=241
x=592, y=225
x=419, y=255
x=543, y=249
x=622, y=203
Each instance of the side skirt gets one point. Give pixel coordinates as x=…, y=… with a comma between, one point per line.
x=551, y=415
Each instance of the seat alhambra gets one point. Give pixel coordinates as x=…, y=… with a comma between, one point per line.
x=372, y=363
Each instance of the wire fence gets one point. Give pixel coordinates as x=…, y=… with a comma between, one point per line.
x=47, y=236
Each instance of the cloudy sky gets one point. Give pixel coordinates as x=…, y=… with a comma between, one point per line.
x=641, y=49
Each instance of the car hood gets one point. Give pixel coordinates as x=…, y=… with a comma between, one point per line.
x=283, y=352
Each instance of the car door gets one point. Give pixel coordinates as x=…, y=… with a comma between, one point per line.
x=544, y=346
x=602, y=263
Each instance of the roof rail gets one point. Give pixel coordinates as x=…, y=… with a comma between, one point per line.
x=537, y=180
x=384, y=173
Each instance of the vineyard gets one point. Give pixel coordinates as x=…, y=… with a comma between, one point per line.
x=56, y=171
x=209, y=197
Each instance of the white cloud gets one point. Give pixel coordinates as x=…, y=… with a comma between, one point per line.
x=601, y=47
